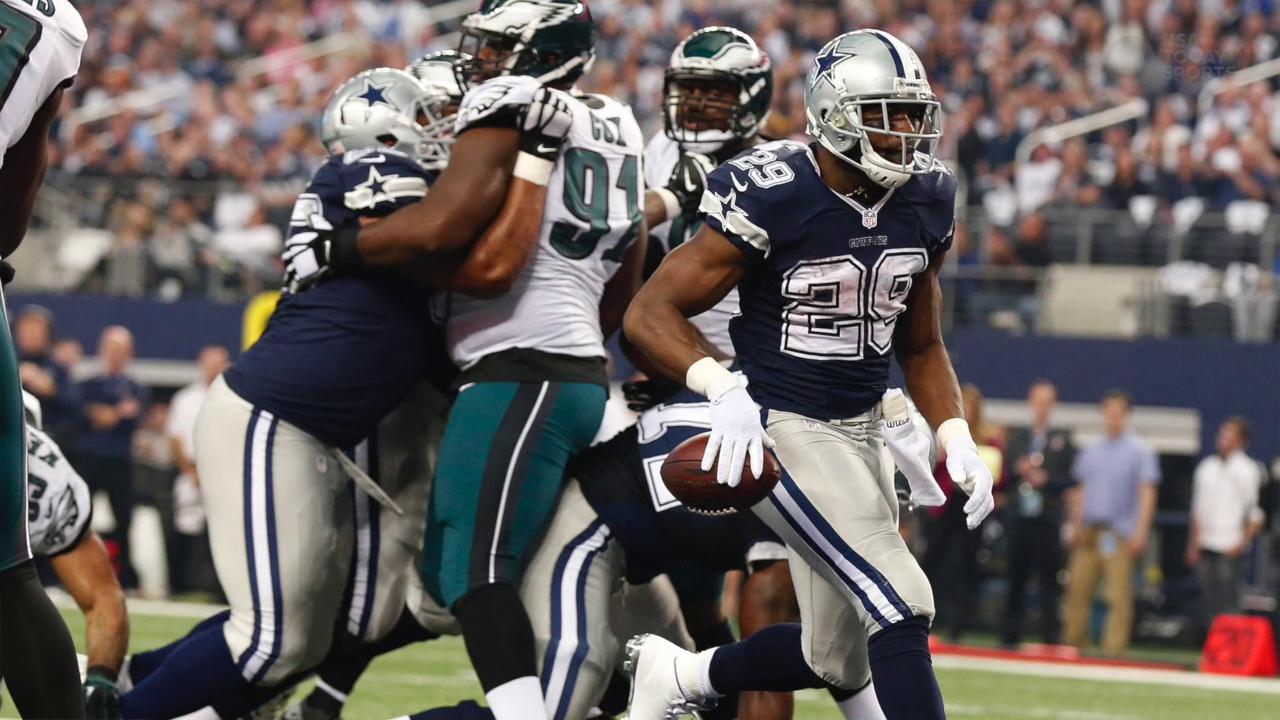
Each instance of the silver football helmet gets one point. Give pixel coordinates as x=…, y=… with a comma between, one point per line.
x=385, y=107
x=859, y=82
x=437, y=71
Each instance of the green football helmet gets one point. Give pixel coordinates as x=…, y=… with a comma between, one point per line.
x=718, y=88
x=550, y=40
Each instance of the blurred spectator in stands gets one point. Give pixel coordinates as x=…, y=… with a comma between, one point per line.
x=152, y=480
x=1001, y=147
x=1036, y=179
x=1127, y=183
x=1185, y=180
x=43, y=376
x=1158, y=145
x=247, y=257
x=125, y=269
x=1039, y=459
x=951, y=554
x=1111, y=513
x=1225, y=518
x=190, y=565
x=176, y=249
x=113, y=403
x=1074, y=185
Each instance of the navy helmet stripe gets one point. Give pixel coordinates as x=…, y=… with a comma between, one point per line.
x=893, y=51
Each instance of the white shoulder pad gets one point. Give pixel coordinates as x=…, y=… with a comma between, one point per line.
x=660, y=158
x=35, y=415
x=59, y=506
x=493, y=95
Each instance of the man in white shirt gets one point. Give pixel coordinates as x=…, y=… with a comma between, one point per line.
x=188, y=513
x=1225, y=517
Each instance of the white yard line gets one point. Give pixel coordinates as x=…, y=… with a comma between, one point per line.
x=1104, y=673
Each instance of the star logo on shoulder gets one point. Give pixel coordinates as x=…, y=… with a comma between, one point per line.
x=373, y=94
x=371, y=192
x=825, y=62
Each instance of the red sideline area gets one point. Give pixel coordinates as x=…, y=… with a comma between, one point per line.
x=1063, y=654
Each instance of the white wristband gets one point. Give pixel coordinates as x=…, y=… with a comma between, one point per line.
x=533, y=169
x=708, y=378
x=954, y=429
x=669, y=201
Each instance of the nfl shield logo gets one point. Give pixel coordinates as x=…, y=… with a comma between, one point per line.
x=869, y=219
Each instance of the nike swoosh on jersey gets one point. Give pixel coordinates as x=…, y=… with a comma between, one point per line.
x=546, y=148
x=742, y=187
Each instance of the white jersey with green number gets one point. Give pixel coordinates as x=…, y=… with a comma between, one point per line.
x=593, y=214
x=660, y=158
x=40, y=46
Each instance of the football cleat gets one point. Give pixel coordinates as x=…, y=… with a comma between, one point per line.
x=661, y=686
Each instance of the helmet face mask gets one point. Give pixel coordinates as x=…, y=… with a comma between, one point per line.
x=717, y=90
x=437, y=74
x=867, y=100
x=903, y=144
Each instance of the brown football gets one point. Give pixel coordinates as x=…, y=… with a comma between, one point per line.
x=682, y=473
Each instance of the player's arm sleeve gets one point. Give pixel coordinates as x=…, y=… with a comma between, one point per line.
x=741, y=211
x=497, y=102
x=940, y=214
x=65, y=499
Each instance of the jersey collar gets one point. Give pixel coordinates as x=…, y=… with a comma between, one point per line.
x=870, y=215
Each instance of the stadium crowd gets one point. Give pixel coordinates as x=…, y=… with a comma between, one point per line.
x=194, y=176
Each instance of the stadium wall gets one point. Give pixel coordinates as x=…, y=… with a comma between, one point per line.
x=1217, y=378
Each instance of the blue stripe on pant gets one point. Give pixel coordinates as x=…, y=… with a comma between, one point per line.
x=573, y=567
x=877, y=596
x=260, y=539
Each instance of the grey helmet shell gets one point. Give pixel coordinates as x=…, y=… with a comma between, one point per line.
x=382, y=107
x=871, y=69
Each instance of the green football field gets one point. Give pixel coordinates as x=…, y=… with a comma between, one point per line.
x=437, y=673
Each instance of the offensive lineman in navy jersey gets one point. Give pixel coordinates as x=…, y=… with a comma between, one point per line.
x=835, y=249
x=332, y=363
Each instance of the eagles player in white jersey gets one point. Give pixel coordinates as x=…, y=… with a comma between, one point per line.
x=58, y=515
x=822, y=310
x=716, y=96
x=40, y=46
x=530, y=345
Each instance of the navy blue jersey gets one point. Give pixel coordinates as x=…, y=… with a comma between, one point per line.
x=621, y=481
x=828, y=277
x=336, y=358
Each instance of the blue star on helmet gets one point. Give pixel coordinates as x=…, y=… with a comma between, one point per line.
x=373, y=93
x=826, y=61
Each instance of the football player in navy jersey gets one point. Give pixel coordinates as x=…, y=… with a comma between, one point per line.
x=273, y=436
x=835, y=249
x=531, y=342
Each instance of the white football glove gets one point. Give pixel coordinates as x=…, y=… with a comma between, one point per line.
x=973, y=477
x=306, y=255
x=910, y=450
x=545, y=123
x=736, y=433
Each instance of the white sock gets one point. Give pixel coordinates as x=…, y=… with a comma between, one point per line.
x=694, y=673
x=863, y=706
x=519, y=699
